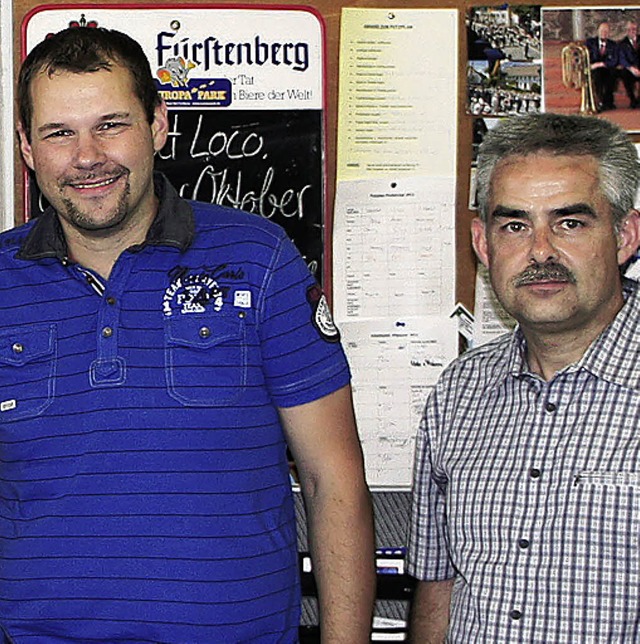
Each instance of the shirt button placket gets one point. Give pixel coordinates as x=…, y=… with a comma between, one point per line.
x=108, y=321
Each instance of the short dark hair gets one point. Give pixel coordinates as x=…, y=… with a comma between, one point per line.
x=564, y=135
x=83, y=50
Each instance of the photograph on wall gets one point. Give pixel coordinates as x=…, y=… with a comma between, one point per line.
x=245, y=92
x=504, y=60
x=592, y=63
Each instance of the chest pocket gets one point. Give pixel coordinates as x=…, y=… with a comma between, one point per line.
x=27, y=371
x=206, y=358
x=605, y=529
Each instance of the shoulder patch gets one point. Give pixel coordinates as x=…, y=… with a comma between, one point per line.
x=321, y=315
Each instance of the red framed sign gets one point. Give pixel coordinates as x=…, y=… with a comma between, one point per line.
x=245, y=87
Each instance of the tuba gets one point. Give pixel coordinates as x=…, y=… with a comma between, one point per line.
x=576, y=74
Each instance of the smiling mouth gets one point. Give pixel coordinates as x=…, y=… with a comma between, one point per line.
x=96, y=184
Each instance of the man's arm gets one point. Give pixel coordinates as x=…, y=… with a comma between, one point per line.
x=428, y=554
x=323, y=439
x=430, y=611
x=624, y=58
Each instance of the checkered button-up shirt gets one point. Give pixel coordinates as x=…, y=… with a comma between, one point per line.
x=528, y=492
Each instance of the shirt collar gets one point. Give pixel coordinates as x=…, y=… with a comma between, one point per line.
x=612, y=356
x=505, y=357
x=516, y=363
x=173, y=225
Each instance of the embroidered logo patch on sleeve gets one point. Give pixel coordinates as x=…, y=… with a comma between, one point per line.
x=321, y=315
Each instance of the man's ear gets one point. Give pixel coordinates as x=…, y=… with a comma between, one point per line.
x=160, y=126
x=628, y=236
x=479, y=240
x=25, y=147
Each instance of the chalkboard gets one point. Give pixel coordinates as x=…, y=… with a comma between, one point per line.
x=265, y=162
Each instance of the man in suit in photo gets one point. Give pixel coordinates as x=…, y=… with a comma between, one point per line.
x=629, y=61
x=603, y=58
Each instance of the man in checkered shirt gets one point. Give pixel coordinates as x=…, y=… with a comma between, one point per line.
x=526, y=510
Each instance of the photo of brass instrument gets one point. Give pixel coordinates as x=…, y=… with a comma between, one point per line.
x=591, y=63
x=576, y=74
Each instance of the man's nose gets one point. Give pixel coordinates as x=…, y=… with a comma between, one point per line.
x=89, y=151
x=542, y=246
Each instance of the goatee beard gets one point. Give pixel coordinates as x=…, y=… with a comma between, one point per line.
x=85, y=221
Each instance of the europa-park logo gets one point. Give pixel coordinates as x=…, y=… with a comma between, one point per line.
x=175, y=85
x=177, y=89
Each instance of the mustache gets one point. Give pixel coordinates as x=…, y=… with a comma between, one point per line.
x=549, y=271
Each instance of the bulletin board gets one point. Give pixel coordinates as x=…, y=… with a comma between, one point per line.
x=328, y=12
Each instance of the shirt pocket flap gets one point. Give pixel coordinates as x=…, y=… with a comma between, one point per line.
x=200, y=333
x=28, y=365
x=19, y=347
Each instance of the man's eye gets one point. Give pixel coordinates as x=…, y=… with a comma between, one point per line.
x=514, y=226
x=111, y=125
x=57, y=134
x=571, y=224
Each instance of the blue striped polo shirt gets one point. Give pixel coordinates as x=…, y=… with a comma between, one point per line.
x=144, y=489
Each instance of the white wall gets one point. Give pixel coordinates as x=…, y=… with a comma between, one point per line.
x=6, y=115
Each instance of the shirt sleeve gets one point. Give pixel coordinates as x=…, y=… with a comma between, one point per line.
x=428, y=557
x=302, y=355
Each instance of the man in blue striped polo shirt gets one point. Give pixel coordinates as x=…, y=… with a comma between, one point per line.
x=156, y=358
x=526, y=510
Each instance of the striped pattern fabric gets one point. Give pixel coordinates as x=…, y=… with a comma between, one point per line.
x=528, y=492
x=144, y=489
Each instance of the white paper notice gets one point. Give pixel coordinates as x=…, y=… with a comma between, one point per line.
x=633, y=271
x=395, y=364
x=393, y=229
x=491, y=320
x=398, y=89
x=394, y=248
